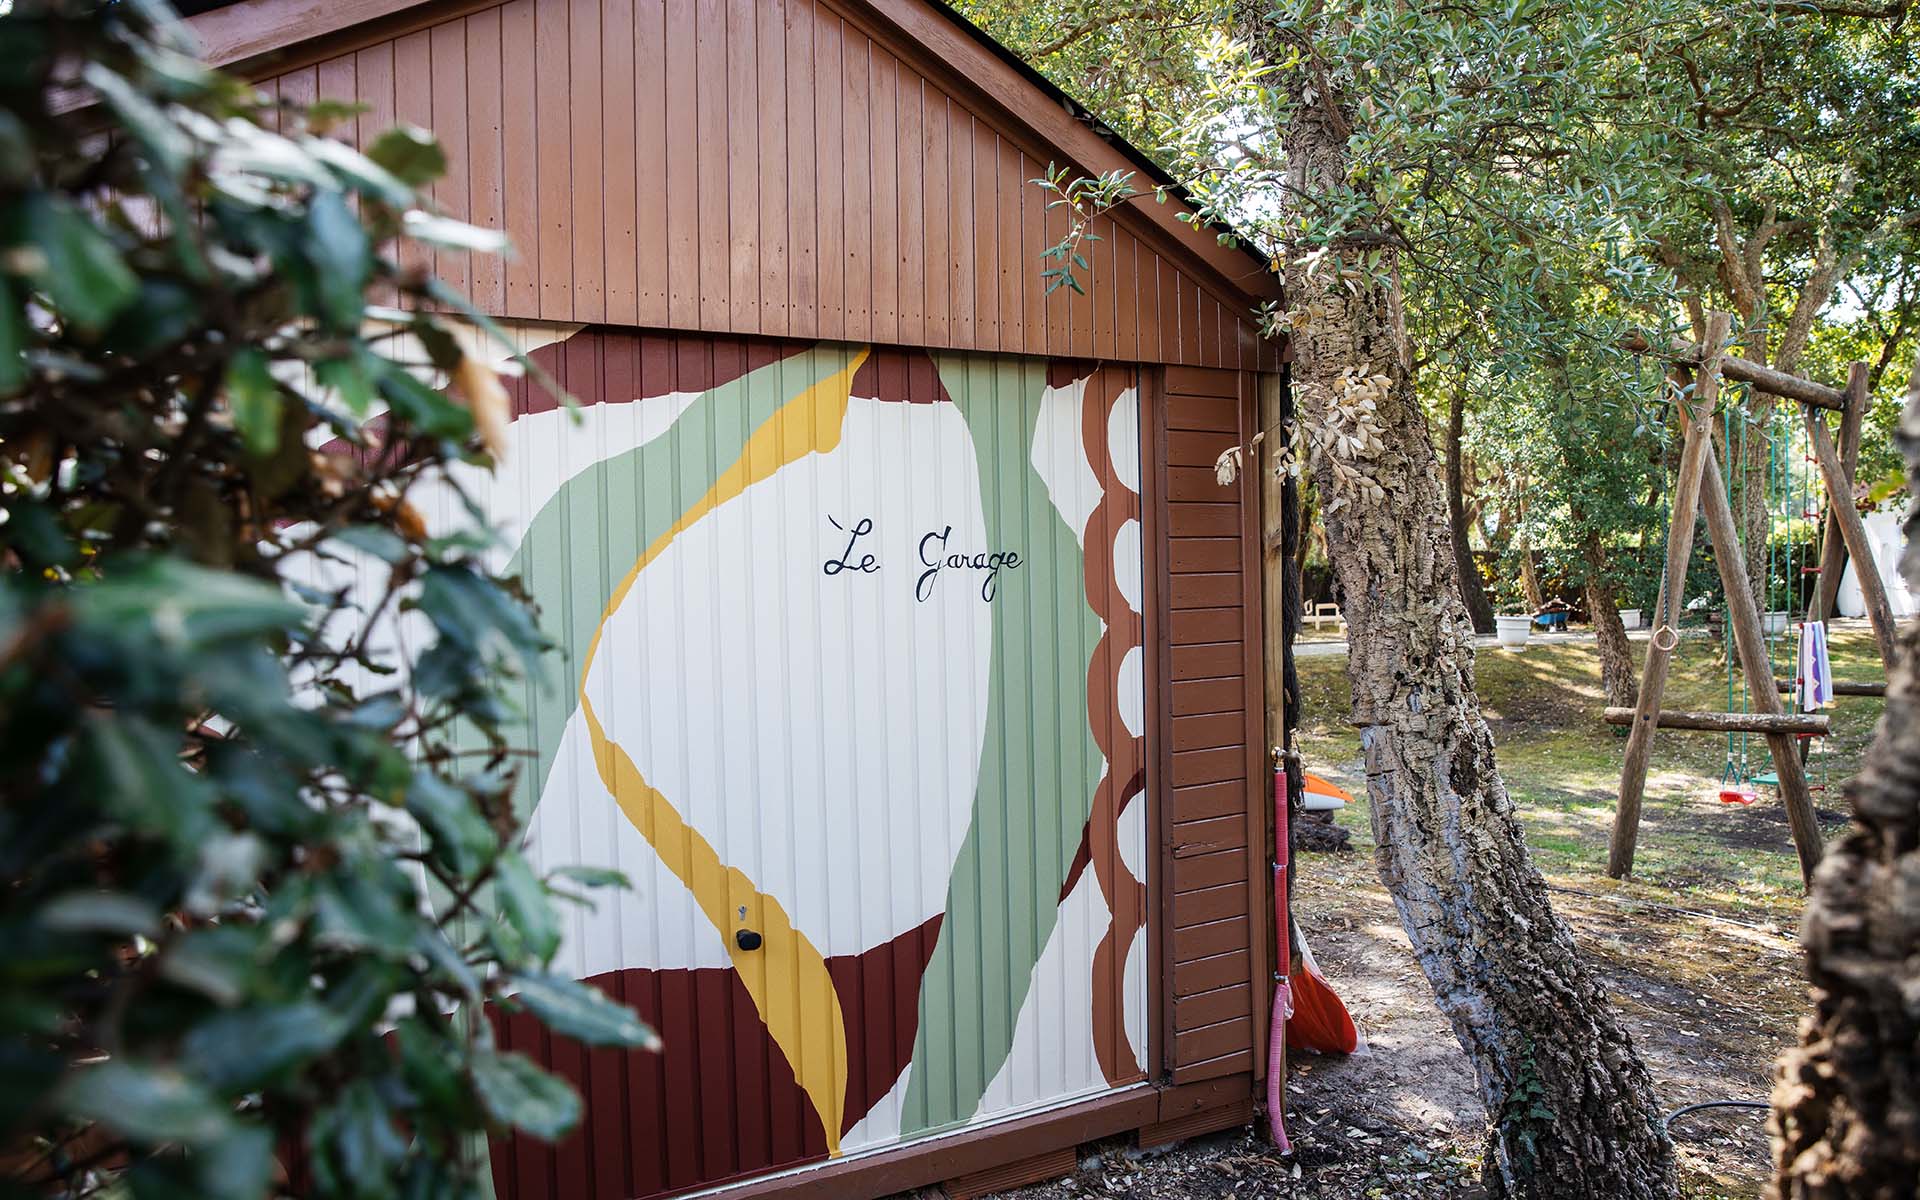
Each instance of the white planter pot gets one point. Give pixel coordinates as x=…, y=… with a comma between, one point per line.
x=1630, y=617
x=1775, y=622
x=1513, y=631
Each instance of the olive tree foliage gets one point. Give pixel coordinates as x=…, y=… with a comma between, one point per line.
x=1876, y=321
x=259, y=874
x=1579, y=454
x=1552, y=176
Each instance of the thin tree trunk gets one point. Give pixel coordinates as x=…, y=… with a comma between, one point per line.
x=1523, y=548
x=1500, y=534
x=1755, y=513
x=1617, y=675
x=1570, y=1103
x=1472, y=592
x=1743, y=274
x=1846, y=1101
x=1303, y=539
x=1530, y=573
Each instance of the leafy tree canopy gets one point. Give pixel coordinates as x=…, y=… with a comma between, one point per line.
x=1553, y=175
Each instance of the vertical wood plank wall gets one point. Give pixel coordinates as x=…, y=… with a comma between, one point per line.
x=1212, y=814
x=791, y=168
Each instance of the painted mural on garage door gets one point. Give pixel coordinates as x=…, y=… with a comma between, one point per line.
x=853, y=693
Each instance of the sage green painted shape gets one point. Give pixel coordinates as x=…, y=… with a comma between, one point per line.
x=1039, y=763
x=584, y=540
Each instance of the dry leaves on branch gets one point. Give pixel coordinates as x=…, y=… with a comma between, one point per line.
x=1349, y=435
x=1226, y=468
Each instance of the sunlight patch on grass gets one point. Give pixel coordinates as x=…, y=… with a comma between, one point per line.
x=1561, y=765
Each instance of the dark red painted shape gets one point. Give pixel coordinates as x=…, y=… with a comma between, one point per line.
x=719, y=1102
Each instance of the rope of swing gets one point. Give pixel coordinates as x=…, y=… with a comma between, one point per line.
x=1669, y=605
x=1733, y=436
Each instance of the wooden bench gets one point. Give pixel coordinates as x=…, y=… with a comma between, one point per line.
x=1323, y=613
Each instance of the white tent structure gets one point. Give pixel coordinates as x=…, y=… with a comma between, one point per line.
x=1884, y=531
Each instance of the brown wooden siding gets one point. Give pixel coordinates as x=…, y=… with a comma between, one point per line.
x=791, y=168
x=1211, y=805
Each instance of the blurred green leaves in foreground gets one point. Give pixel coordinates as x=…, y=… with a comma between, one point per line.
x=259, y=870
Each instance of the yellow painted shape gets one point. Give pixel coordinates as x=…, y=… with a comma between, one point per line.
x=787, y=976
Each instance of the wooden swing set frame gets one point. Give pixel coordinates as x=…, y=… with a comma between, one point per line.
x=1698, y=487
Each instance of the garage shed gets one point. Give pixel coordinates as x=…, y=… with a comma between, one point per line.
x=911, y=646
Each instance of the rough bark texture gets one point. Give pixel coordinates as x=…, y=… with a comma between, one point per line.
x=1572, y=1105
x=1846, y=1101
x=1617, y=675
x=1472, y=593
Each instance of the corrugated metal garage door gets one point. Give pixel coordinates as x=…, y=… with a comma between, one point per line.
x=852, y=691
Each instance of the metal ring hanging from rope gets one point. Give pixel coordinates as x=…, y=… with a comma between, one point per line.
x=1666, y=638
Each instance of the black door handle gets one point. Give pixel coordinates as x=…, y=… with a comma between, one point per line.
x=747, y=939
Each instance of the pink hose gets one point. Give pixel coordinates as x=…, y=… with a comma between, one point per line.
x=1277, y=1067
x=1282, y=988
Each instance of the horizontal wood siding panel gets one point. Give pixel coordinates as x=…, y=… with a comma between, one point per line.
x=1209, y=870
x=1211, y=800
x=1211, y=661
x=1239, y=1062
x=1209, y=594
x=1212, y=414
x=1204, y=591
x=1209, y=766
x=1203, y=974
x=1208, y=696
x=1200, y=733
x=1203, y=554
x=1194, y=448
x=1203, y=836
x=1213, y=1041
x=1210, y=904
x=1198, y=484
x=1211, y=1008
x=788, y=168
x=1196, y=381
x=1203, y=520
x=1198, y=943
x=1196, y=625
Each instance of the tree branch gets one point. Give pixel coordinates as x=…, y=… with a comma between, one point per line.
x=1093, y=25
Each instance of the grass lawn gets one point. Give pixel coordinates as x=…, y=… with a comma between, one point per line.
x=1562, y=766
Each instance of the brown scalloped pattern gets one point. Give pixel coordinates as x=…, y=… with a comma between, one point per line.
x=1126, y=896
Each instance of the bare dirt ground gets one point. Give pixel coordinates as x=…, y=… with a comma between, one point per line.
x=1709, y=1002
x=1405, y=1119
